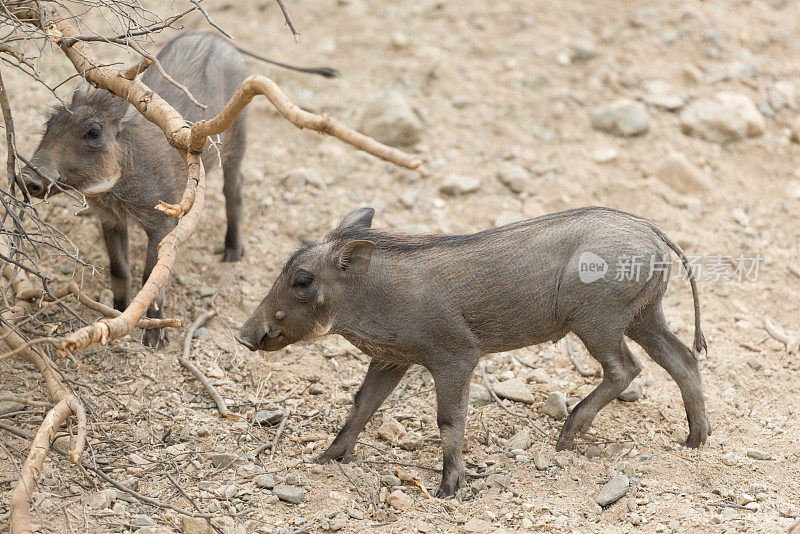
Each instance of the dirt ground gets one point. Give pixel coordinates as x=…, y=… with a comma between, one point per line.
x=495, y=84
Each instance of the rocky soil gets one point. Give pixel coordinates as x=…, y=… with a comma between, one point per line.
x=678, y=111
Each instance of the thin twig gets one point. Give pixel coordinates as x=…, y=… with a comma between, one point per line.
x=573, y=357
x=198, y=374
x=506, y=408
x=289, y=22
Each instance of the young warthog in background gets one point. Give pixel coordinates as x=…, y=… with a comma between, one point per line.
x=104, y=148
x=443, y=301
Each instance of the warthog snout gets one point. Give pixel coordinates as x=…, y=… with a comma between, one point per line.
x=254, y=335
x=31, y=182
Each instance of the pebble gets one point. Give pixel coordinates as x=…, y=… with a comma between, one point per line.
x=391, y=120
x=222, y=459
x=555, y=406
x=458, y=184
x=391, y=430
x=411, y=441
x=479, y=395
x=290, y=494
x=729, y=459
x=756, y=454
x=355, y=513
x=202, y=333
x=754, y=363
x=399, y=500
x=390, y=480
x=724, y=118
x=101, y=499
x=539, y=461
x=515, y=177
x=196, y=525
x=477, y=524
x=498, y=480
x=632, y=393
x=265, y=481
x=539, y=375
x=514, y=390
x=267, y=417
x=623, y=117
x=676, y=171
x=613, y=490
x=520, y=440
x=605, y=155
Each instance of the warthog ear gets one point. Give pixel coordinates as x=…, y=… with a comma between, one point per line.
x=360, y=218
x=355, y=256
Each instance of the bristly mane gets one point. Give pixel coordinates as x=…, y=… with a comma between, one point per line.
x=398, y=241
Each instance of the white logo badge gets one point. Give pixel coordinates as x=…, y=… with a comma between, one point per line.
x=591, y=267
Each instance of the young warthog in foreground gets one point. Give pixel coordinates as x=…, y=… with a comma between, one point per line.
x=442, y=301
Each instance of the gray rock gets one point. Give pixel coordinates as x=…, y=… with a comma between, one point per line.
x=632, y=393
x=520, y=440
x=555, y=406
x=516, y=178
x=142, y=520
x=515, y=390
x=623, y=117
x=498, y=480
x=290, y=494
x=479, y=395
x=411, y=441
x=724, y=118
x=456, y=184
x=390, y=119
x=756, y=454
x=265, y=481
x=356, y=514
x=101, y=499
x=729, y=459
x=202, y=333
x=754, y=363
x=222, y=459
x=205, y=292
x=399, y=500
x=267, y=417
x=390, y=481
x=613, y=490
x=477, y=524
x=196, y=525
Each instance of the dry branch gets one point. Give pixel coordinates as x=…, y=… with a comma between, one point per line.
x=222, y=408
x=792, y=341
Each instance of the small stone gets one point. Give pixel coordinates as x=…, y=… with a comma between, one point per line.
x=605, y=155
x=222, y=460
x=411, y=441
x=729, y=459
x=682, y=175
x=267, y=417
x=477, y=525
x=290, y=494
x=555, y=406
x=390, y=480
x=479, y=395
x=399, y=500
x=316, y=389
x=756, y=454
x=679, y=433
x=516, y=178
x=754, y=363
x=202, y=333
x=497, y=480
x=514, y=390
x=744, y=498
x=297, y=179
x=520, y=440
x=355, y=513
x=613, y=490
x=101, y=499
x=265, y=481
x=635, y=519
x=540, y=461
x=338, y=523
x=488, y=515
x=632, y=393
x=196, y=525
x=205, y=292
x=391, y=120
x=391, y=430
x=623, y=117
x=724, y=118
x=457, y=184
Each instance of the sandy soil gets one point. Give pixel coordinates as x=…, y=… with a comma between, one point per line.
x=498, y=84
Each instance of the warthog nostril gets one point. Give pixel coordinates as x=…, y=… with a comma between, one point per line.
x=244, y=342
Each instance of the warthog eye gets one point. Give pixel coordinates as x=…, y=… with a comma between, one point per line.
x=302, y=280
x=93, y=132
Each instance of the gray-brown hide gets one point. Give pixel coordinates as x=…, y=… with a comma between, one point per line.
x=104, y=148
x=443, y=301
